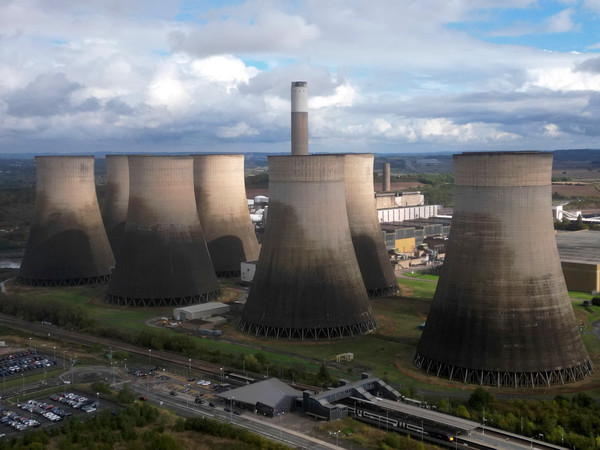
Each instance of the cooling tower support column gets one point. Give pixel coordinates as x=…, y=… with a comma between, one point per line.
x=223, y=211
x=164, y=260
x=307, y=284
x=117, y=199
x=501, y=314
x=299, y=118
x=375, y=266
x=387, y=185
x=67, y=243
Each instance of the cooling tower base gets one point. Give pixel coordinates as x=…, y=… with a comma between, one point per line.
x=229, y=274
x=505, y=379
x=100, y=279
x=383, y=292
x=163, y=302
x=307, y=333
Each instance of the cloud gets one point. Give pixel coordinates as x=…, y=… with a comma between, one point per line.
x=237, y=130
x=561, y=22
x=49, y=94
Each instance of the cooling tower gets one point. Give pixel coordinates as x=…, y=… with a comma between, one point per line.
x=117, y=199
x=501, y=314
x=299, y=118
x=386, y=182
x=373, y=260
x=67, y=243
x=307, y=284
x=223, y=211
x=163, y=257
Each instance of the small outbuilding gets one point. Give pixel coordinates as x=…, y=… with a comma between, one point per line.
x=200, y=311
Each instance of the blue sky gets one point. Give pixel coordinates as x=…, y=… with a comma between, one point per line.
x=214, y=76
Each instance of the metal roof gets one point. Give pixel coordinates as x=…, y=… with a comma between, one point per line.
x=579, y=246
x=269, y=392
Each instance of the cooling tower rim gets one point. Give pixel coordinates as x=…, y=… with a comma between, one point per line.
x=202, y=155
x=501, y=153
x=184, y=157
x=299, y=83
x=64, y=157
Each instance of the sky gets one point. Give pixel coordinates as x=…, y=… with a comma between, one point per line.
x=214, y=75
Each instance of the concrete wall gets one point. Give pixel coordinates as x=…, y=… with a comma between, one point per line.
x=581, y=276
x=223, y=211
x=308, y=283
x=116, y=200
x=164, y=259
x=67, y=243
x=375, y=266
x=501, y=314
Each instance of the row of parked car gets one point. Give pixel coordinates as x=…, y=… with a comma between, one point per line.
x=76, y=401
x=25, y=362
x=49, y=411
x=17, y=422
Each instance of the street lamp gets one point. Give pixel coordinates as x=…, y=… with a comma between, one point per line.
x=231, y=412
x=64, y=360
x=23, y=376
x=98, y=400
x=337, y=438
x=149, y=356
x=54, y=357
x=189, y=367
x=221, y=369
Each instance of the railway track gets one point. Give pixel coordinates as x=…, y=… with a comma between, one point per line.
x=44, y=331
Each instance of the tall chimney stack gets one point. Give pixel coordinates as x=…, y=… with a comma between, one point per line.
x=387, y=187
x=299, y=118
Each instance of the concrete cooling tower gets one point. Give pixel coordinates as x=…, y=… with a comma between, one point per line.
x=501, y=314
x=117, y=199
x=373, y=260
x=67, y=243
x=163, y=257
x=299, y=118
x=223, y=211
x=307, y=283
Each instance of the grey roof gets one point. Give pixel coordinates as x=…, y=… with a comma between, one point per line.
x=579, y=246
x=269, y=392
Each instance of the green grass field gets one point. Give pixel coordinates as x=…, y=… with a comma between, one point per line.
x=387, y=352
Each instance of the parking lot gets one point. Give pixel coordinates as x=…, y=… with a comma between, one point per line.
x=47, y=411
x=23, y=362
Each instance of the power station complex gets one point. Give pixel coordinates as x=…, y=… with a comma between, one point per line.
x=501, y=313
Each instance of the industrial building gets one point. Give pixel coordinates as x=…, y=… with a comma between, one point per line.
x=116, y=201
x=164, y=259
x=371, y=253
x=269, y=397
x=223, y=211
x=67, y=244
x=328, y=404
x=400, y=214
x=308, y=283
x=501, y=314
x=580, y=259
x=200, y=311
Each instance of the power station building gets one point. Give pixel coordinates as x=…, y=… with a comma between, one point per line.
x=308, y=283
x=223, y=210
x=369, y=245
x=163, y=260
x=67, y=243
x=117, y=199
x=501, y=314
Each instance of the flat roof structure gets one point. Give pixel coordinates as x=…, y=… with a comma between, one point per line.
x=579, y=246
x=200, y=310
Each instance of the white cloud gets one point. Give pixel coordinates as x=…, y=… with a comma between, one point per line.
x=237, y=130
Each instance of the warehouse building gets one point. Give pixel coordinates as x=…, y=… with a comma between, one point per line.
x=200, y=311
x=269, y=397
x=579, y=253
